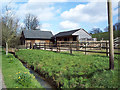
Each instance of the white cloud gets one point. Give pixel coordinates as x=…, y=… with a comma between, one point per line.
x=43, y=11
x=118, y=18
x=60, y=0
x=115, y=8
x=48, y=0
x=58, y=10
x=92, y=12
x=95, y=27
x=69, y=25
x=45, y=25
x=48, y=30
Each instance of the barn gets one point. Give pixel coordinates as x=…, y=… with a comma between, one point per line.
x=35, y=36
x=73, y=35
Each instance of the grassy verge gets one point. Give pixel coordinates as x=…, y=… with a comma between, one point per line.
x=16, y=75
x=71, y=71
x=105, y=35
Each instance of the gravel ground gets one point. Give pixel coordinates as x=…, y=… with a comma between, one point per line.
x=2, y=85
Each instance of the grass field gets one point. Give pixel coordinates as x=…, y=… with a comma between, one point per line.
x=16, y=75
x=70, y=71
x=105, y=35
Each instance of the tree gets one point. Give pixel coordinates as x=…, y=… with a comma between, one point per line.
x=106, y=29
x=9, y=28
x=116, y=27
x=95, y=31
x=31, y=22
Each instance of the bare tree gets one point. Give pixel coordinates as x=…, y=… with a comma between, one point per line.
x=116, y=27
x=106, y=29
x=95, y=31
x=31, y=22
x=9, y=27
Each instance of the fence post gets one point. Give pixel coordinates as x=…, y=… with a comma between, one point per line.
x=106, y=48
x=100, y=45
x=39, y=45
x=59, y=46
x=85, y=47
x=35, y=47
x=77, y=45
x=26, y=45
x=44, y=47
x=70, y=49
x=30, y=45
x=51, y=47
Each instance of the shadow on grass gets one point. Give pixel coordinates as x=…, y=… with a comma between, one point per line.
x=78, y=54
x=3, y=52
x=97, y=71
x=100, y=56
x=65, y=53
x=89, y=75
x=7, y=56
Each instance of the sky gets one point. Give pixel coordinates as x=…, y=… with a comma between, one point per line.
x=64, y=15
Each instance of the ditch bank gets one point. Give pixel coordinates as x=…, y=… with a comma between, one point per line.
x=46, y=82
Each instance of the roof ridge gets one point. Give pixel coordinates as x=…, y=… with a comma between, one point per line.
x=36, y=30
x=37, y=34
x=70, y=30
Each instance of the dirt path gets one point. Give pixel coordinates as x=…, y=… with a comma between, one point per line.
x=2, y=84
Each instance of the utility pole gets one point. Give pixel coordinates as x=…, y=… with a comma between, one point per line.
x=110, y=25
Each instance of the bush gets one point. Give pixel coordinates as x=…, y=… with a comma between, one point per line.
x=23, y=78
x=11, y=60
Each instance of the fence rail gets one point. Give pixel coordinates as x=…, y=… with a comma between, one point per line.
x=84, y=46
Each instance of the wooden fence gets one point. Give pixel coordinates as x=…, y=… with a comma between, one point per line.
x=84, y=46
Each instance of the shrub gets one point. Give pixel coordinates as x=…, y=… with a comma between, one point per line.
x=23, y=78
x=11, y=60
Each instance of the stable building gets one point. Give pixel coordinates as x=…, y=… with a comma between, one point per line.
x=35, y=36
x=73, y=35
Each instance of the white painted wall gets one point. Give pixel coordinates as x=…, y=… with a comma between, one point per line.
x=82, y=34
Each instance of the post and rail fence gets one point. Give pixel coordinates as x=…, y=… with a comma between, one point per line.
x=83, y=46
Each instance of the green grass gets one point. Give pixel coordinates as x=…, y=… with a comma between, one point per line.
x=103, y=50
x=70, y=71
x=12, y=70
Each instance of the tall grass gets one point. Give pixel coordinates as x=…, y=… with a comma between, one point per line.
x=73, y=71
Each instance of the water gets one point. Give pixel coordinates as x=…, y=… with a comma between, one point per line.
x=41, y=80
x=43, y=83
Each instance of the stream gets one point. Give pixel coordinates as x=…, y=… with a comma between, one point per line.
x=39, y=78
